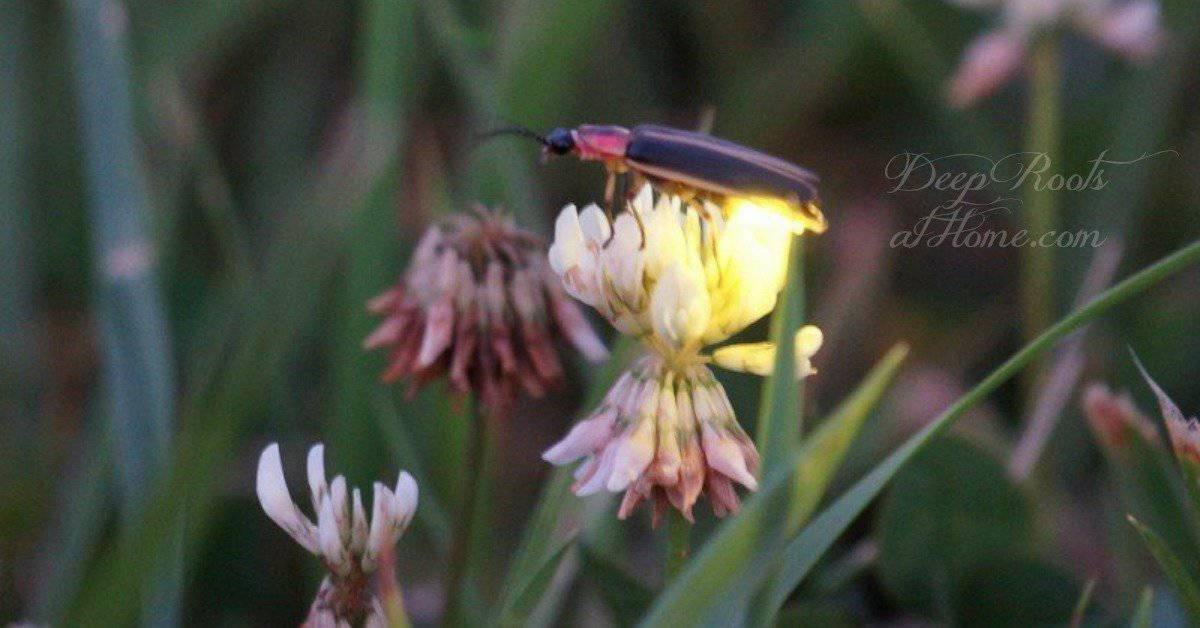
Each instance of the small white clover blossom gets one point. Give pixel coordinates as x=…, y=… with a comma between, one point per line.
x=343, y=538
x=666, y=431
x=1129, y=28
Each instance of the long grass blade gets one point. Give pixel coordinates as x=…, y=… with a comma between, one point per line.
x=74, y=535
x=1144, y=612
x=1178, y=575
x=822, y=454
x=137, y=376
x=779, y=415
x=721, y=573
x=804, y=551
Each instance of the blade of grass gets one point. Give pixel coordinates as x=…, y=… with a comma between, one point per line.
x=1179, y=577
x=1144, y=613
x=432, y=514
x=781, y=409
x=137, y=374
x=522, y=605
x=1055, y=390
x=78, y=528
x=1040, y=203
x=804, y=551
x=1081, y=606
x=822, y=454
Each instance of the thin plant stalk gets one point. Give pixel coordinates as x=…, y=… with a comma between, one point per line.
x=1040, y=202
x=678, y=545
x=475, y=480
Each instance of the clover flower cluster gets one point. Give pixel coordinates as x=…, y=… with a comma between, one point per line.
x=692, y=275
x=479, y=303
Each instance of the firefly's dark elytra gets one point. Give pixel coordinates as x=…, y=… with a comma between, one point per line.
x=715, y=165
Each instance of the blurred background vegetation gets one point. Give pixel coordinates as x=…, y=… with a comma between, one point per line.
x=198, y=196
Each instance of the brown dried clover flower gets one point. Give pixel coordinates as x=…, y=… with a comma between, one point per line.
x=480, y=304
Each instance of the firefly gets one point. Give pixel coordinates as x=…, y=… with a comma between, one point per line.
x=692, y=165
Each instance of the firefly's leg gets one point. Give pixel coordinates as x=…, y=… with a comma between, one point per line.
x=610, y=190
x=708, y=232
x=632, y=186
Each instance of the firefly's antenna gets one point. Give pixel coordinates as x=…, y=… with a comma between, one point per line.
x=512, y=130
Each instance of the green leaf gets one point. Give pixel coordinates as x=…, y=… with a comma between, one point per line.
x=948, y=513
x=803, y=552
x=1145, y=609
x=1015, y=591
x=1183, y=580
x=822, y=454
x=516, y=612
x=626, y=596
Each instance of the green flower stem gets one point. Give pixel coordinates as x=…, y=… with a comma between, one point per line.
x=1040, y=203
x=475, y=480
x=678, y=545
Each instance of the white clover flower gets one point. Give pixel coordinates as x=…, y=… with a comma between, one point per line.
x=666, y=431
x=1129, y=28
x=346, y=542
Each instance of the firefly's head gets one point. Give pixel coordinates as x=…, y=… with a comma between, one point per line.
x=558, y=141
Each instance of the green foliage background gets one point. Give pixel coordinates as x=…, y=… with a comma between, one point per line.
x=276, y=160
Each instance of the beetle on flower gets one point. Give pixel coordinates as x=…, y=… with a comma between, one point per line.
x=666, y=430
